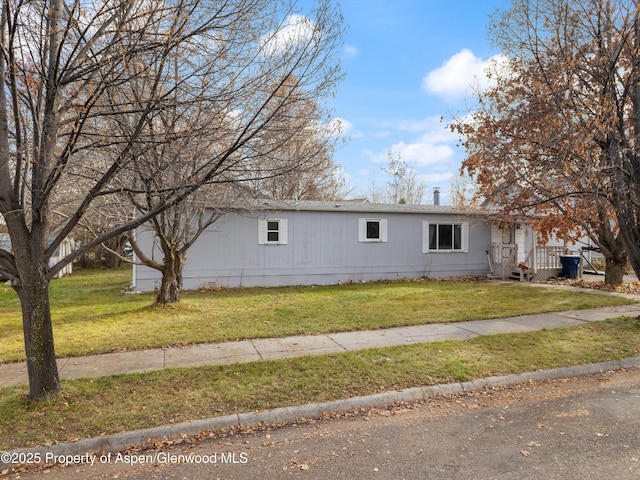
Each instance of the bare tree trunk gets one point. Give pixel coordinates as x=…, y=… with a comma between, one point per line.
x=625, y=198
x=171, y=284
x=629, y=212
x=32, y=286
x=613, y=248
x=632, y=241
x=33, y=290
x=115, y=251
x=615, y=267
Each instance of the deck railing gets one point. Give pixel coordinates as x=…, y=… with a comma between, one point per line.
x=504, y=259
x=549, y=257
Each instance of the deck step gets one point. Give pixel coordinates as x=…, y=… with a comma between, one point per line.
x=516, y=275
x=512, y=276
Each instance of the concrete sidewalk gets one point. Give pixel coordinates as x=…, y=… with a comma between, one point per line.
x=287, y=347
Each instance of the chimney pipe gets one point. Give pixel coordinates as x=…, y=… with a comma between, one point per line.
x=436, y=195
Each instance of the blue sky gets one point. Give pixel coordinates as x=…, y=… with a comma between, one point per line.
x=408, y=64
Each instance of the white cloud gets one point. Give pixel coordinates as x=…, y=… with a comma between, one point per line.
x=426, y=145
x=295, y=29
x=421, y=153
x=436, y=178
x=433, y=129
x=456, y=78
x=350, y=51
x=342, y=127
x=432, y=145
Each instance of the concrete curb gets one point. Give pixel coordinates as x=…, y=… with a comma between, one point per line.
x=119, y=442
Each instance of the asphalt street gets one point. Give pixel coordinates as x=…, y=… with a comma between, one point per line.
x=576, y=428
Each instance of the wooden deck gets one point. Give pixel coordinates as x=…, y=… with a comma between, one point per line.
x=541, y=263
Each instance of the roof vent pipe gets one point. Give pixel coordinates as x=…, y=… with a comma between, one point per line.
x=436, y=195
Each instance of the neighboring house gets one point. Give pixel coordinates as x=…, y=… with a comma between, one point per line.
x=64, y=249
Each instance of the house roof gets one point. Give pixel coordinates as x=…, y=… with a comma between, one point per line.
x=362, y=207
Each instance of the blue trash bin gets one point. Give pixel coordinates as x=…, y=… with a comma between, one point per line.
x=570, y=266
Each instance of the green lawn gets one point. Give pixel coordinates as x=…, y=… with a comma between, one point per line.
x=111, y=404
x=91, y=315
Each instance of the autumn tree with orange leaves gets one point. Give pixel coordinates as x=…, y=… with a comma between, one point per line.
x=553, y=139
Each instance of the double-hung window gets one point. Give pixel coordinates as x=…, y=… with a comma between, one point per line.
x=445, y=237
x=272, y=231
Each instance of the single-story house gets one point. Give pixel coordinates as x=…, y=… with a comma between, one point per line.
x=278, y=243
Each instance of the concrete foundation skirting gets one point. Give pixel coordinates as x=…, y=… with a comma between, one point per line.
x=119, y=442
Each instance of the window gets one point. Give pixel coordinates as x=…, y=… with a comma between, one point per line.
x=508, y=235
x=272, y=231
x=373, y=230
x=445, y=237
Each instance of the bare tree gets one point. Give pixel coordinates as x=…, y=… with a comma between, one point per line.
x=464, y=193
x=290, y=159
x=178, y=143
x=297, y=159
x=84, y=83
x=403, y=185
x=175, y=231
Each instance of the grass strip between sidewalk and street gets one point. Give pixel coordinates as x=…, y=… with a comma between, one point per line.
x=91, y=315
x=106, y=405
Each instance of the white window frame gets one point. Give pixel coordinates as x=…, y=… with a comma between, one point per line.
x=464, y=237
x=263, y=231
x=362, y=230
